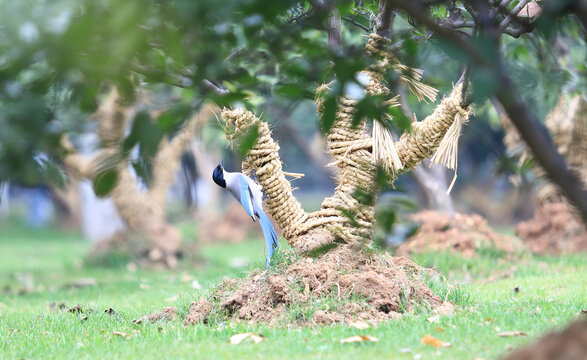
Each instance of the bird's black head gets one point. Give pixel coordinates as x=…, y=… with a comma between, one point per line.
x=218, y=175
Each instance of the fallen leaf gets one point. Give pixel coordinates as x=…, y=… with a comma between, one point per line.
x=239, y=338
x=83, y=317
x=432, y=341
x=433, y=319
x=360, y=324
x=121, y=334
x=439, y=329
x=517, y=289
x=359, y=338
x=511, y=333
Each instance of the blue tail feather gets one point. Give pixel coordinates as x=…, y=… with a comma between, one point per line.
x=269, y=234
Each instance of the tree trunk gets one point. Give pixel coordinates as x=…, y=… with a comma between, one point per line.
x=147, y=234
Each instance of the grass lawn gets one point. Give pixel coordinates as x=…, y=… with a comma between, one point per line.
x=38, y=267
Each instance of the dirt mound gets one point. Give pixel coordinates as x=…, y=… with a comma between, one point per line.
x=553, y=230
x=343, y=285
x=158, y=246
x=463, y=234
x=569, y=344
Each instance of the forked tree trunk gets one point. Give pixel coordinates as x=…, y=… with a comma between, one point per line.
x=348, y=215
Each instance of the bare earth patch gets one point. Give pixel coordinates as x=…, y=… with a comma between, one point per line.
x=344, y=285
x=463, y=234
x=553, y=230
x=569, y=344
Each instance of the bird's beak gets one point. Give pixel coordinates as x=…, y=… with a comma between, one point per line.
x=222, y=166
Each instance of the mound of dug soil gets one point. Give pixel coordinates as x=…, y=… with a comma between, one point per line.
x=553, y=230
x=463, y=234
x=158, y=246
x=570, y=344
x=342, y=285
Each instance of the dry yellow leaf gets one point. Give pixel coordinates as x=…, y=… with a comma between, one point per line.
x=238, y=338
x=121, y=334
x=432, y=341
x=359, y=338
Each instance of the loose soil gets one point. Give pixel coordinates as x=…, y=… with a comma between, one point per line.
x=553, y=230
x=463, y=234
x=346, y=284
x=569, y=344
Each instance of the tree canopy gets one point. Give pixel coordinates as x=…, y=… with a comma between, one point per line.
x=59, y=58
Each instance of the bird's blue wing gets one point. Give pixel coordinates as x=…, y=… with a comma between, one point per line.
x=245, y=196
x=268, y=233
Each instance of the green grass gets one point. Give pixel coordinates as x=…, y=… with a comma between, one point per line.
x=38, y=266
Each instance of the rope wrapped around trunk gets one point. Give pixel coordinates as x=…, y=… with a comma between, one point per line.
x=348, y=215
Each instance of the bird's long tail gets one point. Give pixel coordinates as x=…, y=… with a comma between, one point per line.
x=270, y=235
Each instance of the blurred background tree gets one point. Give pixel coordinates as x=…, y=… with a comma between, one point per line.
x=60, y=59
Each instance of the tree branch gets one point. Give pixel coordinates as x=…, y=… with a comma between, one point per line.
x=530, y=128
x=384, y=19
x=508, y=19
x=354, y=22
x=334, y=28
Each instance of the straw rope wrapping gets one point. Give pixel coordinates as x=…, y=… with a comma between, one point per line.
x=348, y=216
x=384, y=150
x=264, y=159
x=427, y=136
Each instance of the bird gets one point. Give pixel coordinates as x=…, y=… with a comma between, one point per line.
x=250, y=195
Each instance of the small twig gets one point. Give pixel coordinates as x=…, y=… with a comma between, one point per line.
x=354, y=22
x=508, y=19
x=235, y=53
x=499, y=8
x=299, y=17
x=399, y=45
x=462, y=24
x=215, y=88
